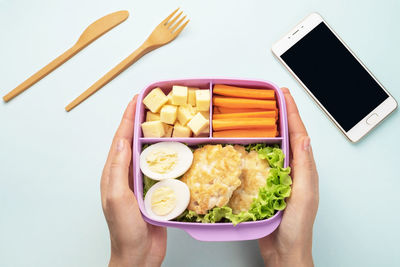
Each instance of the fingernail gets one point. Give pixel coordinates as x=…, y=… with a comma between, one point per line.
x=120, y=145
x=306, y=143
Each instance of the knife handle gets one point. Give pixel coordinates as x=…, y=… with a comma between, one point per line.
x=41, y=73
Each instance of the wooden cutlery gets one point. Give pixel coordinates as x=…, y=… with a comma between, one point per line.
x=164, y=33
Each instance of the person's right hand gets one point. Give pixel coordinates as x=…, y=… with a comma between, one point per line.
x=291, y=243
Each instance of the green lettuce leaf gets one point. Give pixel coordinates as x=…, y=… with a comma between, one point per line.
x=271, y=197
x=147, y=183
x=217, y=214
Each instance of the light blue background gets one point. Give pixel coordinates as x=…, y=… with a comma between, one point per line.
x=51, y=161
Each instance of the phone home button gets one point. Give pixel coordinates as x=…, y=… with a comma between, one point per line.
x=372, y=119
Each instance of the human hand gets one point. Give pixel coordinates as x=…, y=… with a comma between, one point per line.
x=134, y=242
x=291, y=243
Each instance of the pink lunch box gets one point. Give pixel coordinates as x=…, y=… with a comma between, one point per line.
x=211, y=231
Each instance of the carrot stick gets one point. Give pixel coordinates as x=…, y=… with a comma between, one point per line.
x=237, y=110
x=243, y=123
x=264, y=114
x=247, y=133
x=230, y=102
x=227, y=90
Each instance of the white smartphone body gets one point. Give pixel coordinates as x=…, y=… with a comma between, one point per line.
x=334, y=77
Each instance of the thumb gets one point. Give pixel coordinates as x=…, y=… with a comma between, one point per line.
x=119, y=168
x=302, y=155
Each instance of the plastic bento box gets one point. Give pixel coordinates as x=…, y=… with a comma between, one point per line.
x=211, y=231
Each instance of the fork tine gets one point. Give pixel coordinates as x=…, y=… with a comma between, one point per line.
x=178, y=31
x=169, y=17
x=169, y=24
x=177, y=24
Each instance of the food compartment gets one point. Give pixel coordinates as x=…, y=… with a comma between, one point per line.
x=170, y=110
x=221, y=231
x=246, y=110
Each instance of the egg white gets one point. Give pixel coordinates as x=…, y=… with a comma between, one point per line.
x=185, y=159
x=182, y=193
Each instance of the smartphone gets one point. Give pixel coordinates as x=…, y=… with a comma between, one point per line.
x=334, y=77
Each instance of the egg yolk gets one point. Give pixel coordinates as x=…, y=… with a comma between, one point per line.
x=162, y=160
x=163, y=201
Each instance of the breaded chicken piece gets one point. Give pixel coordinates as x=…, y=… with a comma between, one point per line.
x=254, y=175
x=213, y=177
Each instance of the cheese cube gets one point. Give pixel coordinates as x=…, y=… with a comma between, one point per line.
x=155, y=100
x=192, y=96
x=198, y=123
x=204, y=133
x=206, y=114
x=181, y=131
x=153, y=129
x=179, y=95
x=169, y=102
x=185, y=113
x=168, y=130
x=168, y=114
x=150, y=116
x=203, y=100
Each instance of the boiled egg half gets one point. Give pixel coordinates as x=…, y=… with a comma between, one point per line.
x=165, y=160
x=167, y=199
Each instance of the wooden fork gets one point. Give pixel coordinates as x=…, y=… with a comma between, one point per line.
x=164, y=33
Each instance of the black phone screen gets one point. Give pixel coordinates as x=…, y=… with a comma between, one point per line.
x=334, y=76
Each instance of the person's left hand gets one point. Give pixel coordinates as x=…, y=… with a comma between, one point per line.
x=134, y=242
